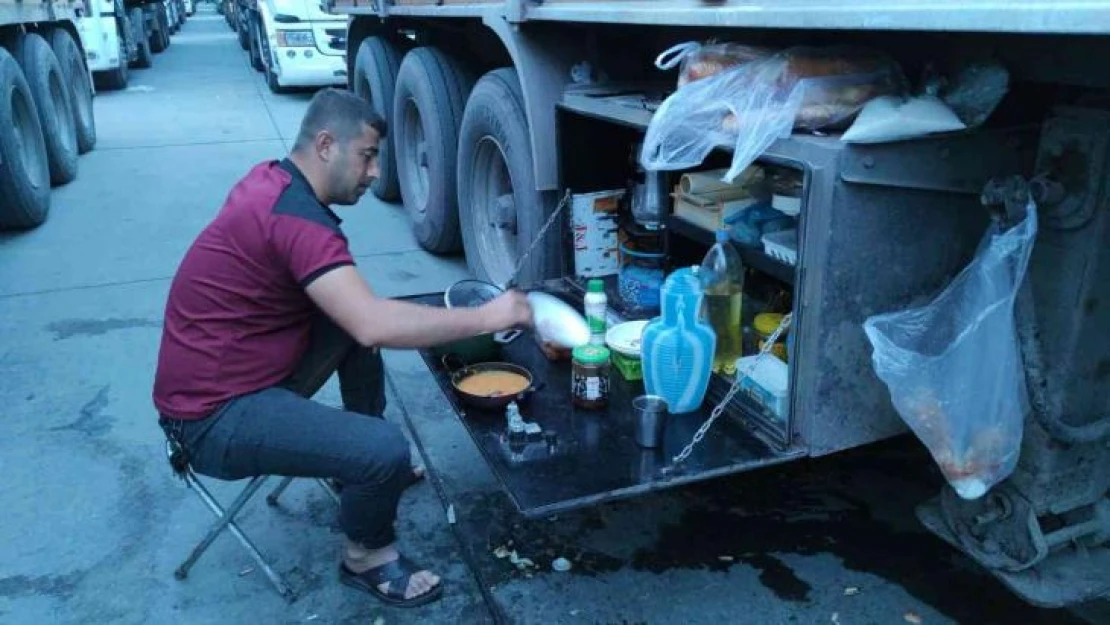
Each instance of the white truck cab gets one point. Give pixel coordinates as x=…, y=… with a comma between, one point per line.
x=100, y=36
x=300, y=44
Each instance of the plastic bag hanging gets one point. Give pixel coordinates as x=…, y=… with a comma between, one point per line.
x=953, y=367
x=744, y=106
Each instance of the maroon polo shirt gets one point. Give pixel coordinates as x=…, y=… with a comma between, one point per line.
x=238, y=319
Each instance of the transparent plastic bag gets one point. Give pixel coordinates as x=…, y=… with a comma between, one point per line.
x=973, y=91
x=839, y=81
x=953, y=367
x=704, y=114
x=704, y=60
x=976, y=91
x=752, y=104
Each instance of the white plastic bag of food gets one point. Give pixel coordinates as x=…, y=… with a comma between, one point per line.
x=954, y=368
x=891, y=118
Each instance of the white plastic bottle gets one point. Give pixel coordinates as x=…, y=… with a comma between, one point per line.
x=596, y=305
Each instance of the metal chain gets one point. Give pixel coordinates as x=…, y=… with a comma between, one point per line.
x=740, y=377
x=539, y=236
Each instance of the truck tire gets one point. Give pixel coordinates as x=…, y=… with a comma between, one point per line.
x=25, y=176
x=375, y=78
x=500, y=210
x=241, y=31
x=145, y=57
x=256, y=45
x=164, y=25
x=115, y=79
x=77, y=77
x=158, y=39
x=55, y=107
x=428, y=103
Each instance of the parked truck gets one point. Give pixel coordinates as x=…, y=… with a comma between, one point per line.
x=46, y=110
x=295, y=43
x=118, y=38
x=498, y=109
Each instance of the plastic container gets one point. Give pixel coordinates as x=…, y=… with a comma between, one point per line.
x=594, y=229
x=677, y=347
x=590, y=376
x=767, y=385
x=782, y=246
x=765, y=325
x=630, y=367
x=596, y=305
x=722, y=281
x=640, y=279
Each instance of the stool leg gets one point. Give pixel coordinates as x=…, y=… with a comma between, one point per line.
x=327, y=488
x=226, y=520
x=272, y=498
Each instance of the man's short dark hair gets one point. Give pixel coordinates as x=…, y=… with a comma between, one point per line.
x=341, y=113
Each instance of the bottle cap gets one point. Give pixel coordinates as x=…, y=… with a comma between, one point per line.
x=595, y=285
x=766, y=323
x=722, y=236
x=590, y=354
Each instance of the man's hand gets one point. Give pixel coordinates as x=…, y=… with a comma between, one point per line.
x=507, y=311
x=382, y=322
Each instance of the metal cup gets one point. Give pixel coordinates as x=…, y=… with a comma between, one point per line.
x=650, y=415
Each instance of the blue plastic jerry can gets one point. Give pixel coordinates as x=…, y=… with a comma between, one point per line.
x=678, y=346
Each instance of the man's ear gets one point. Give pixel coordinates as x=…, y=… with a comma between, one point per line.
x=325, y=145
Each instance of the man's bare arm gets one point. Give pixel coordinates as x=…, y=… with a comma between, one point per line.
x=382, y=322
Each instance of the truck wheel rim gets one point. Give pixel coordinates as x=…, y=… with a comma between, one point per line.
x=31, y=158
x=416, y=154
x=494, y=211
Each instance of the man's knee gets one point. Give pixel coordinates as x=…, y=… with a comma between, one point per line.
x=387, y=456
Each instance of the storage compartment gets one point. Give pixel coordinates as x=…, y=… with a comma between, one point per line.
x=697, y=203
x=828, y=231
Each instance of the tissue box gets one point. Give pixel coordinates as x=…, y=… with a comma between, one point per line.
x=767, y=385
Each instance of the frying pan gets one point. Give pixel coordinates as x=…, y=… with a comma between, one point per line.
x=460, y=373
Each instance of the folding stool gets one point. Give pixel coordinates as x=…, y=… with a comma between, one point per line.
x=225, y=519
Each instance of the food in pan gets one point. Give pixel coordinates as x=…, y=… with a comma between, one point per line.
x=493, y=383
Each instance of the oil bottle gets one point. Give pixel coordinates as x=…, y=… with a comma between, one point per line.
x=722, y=280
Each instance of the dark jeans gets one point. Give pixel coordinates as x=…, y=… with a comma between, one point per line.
x=280, y=431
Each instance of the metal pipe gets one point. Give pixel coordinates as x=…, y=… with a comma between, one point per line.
x=1044, y=409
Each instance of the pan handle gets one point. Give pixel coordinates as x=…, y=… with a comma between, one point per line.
x=531, y=390
x=452, y=362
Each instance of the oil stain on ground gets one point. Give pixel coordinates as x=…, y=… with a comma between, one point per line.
x=59, y=586
x=857, y=507
x=91, y=420
x=69, y=328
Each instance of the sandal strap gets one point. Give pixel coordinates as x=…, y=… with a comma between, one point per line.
x=397, y=573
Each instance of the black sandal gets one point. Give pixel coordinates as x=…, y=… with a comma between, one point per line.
x=397, y=573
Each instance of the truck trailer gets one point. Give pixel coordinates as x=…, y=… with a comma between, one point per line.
x=46, y=109
x=499, y=111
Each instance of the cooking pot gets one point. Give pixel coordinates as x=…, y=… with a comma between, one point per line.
x=460, y=372
x=474, y=349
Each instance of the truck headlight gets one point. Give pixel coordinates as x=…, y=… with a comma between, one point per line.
x=295, y=39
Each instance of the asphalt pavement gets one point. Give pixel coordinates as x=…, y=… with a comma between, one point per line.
x=94, y=522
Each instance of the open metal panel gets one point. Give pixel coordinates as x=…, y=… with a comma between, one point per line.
x=586, y=457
